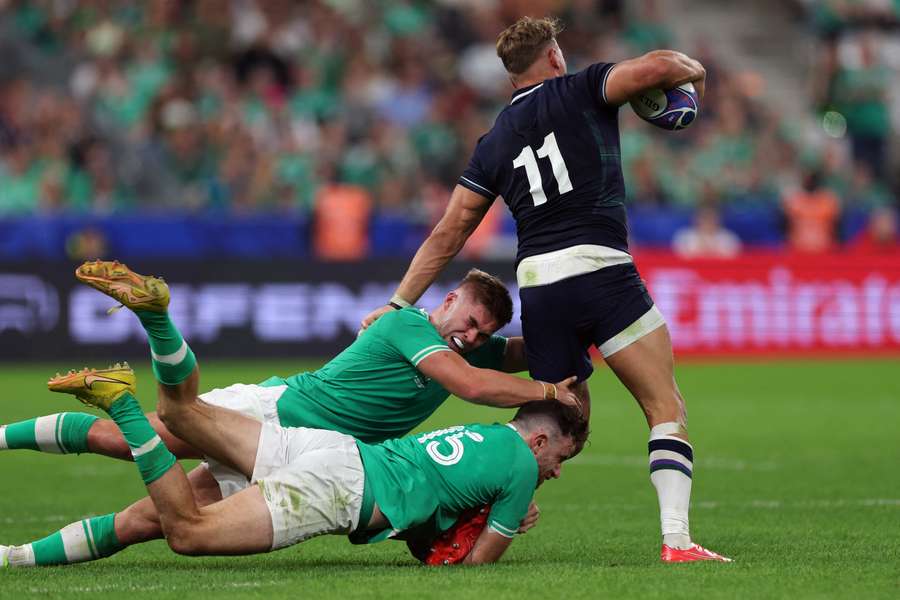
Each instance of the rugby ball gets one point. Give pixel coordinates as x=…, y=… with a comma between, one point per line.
x=668, y=109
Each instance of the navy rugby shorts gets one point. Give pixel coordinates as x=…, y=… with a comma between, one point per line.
x=560, y=321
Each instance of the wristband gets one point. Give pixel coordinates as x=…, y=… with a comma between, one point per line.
x=549, y=390
x=398, y=302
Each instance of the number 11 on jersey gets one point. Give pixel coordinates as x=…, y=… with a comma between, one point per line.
x=527, y=159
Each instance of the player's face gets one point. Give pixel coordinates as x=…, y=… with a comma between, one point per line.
x=466, y=324
x=550, y=457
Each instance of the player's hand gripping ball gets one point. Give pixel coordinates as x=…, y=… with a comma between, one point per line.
x=668, y=109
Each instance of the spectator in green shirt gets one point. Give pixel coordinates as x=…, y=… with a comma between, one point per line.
x=861, y=95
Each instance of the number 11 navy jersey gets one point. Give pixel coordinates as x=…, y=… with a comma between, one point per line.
x=553, y=154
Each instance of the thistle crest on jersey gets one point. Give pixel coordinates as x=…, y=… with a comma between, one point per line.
x=668, y=109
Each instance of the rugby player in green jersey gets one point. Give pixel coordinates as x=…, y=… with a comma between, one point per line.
x=384, y=384
x=310, y=482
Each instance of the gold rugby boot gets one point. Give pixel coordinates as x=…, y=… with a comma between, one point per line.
x=96, y=387
x=116, y=280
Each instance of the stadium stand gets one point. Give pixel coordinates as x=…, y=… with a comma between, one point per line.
x=232, y=126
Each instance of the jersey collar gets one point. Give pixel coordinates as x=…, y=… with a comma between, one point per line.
x=522, y=92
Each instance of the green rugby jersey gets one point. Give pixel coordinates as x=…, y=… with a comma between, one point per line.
x=432, y=477
x=372, y=390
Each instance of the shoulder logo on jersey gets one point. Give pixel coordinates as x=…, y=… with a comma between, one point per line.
x=421, y=381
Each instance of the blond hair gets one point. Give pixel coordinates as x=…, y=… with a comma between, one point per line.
x=522, y=42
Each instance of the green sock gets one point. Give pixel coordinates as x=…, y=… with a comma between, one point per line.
x=81, y=541
x=173, y=360
x=150, y=454
x=62, y=433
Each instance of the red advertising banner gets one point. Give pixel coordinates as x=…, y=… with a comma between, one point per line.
x=776, y=303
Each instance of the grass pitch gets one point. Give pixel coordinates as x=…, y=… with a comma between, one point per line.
x=796, y=478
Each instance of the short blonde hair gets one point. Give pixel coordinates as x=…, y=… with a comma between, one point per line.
x=520, y=44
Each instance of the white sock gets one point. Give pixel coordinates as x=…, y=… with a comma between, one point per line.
x=671, y=469
x=21, y=556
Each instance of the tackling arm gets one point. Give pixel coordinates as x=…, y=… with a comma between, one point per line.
x=489, y=547
x=464, y=212
x=662, y=69
x=493, y=388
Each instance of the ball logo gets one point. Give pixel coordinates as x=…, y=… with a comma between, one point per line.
x=654, y=106
x=670, y=109
x=650, y=105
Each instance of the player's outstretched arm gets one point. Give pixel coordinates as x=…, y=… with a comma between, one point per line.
x=493, y=388
x=464, y=212
x=489, y=547
x=662, y=69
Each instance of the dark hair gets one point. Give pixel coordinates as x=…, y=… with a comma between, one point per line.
x=520, y=44
x=571, y=421
x=490, y=292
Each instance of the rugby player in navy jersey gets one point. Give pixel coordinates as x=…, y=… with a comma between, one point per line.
x=553, y=155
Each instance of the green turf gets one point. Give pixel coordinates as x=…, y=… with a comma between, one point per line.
x=796, y=477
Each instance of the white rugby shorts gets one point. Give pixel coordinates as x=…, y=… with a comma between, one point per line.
x=312, y=480
x=254, y=401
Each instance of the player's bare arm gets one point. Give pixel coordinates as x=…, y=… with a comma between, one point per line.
x=493, y=388
x=662, y=69
x=488, y=549
x=464, y=212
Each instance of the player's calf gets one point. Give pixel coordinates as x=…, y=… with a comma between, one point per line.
x=106, y=439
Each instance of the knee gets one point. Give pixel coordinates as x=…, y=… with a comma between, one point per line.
x=183, y=545
x=183, y=539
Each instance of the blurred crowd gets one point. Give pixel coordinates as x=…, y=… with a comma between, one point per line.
x=345, y=109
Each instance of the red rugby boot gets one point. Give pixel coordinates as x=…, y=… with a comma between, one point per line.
x=695, y=553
